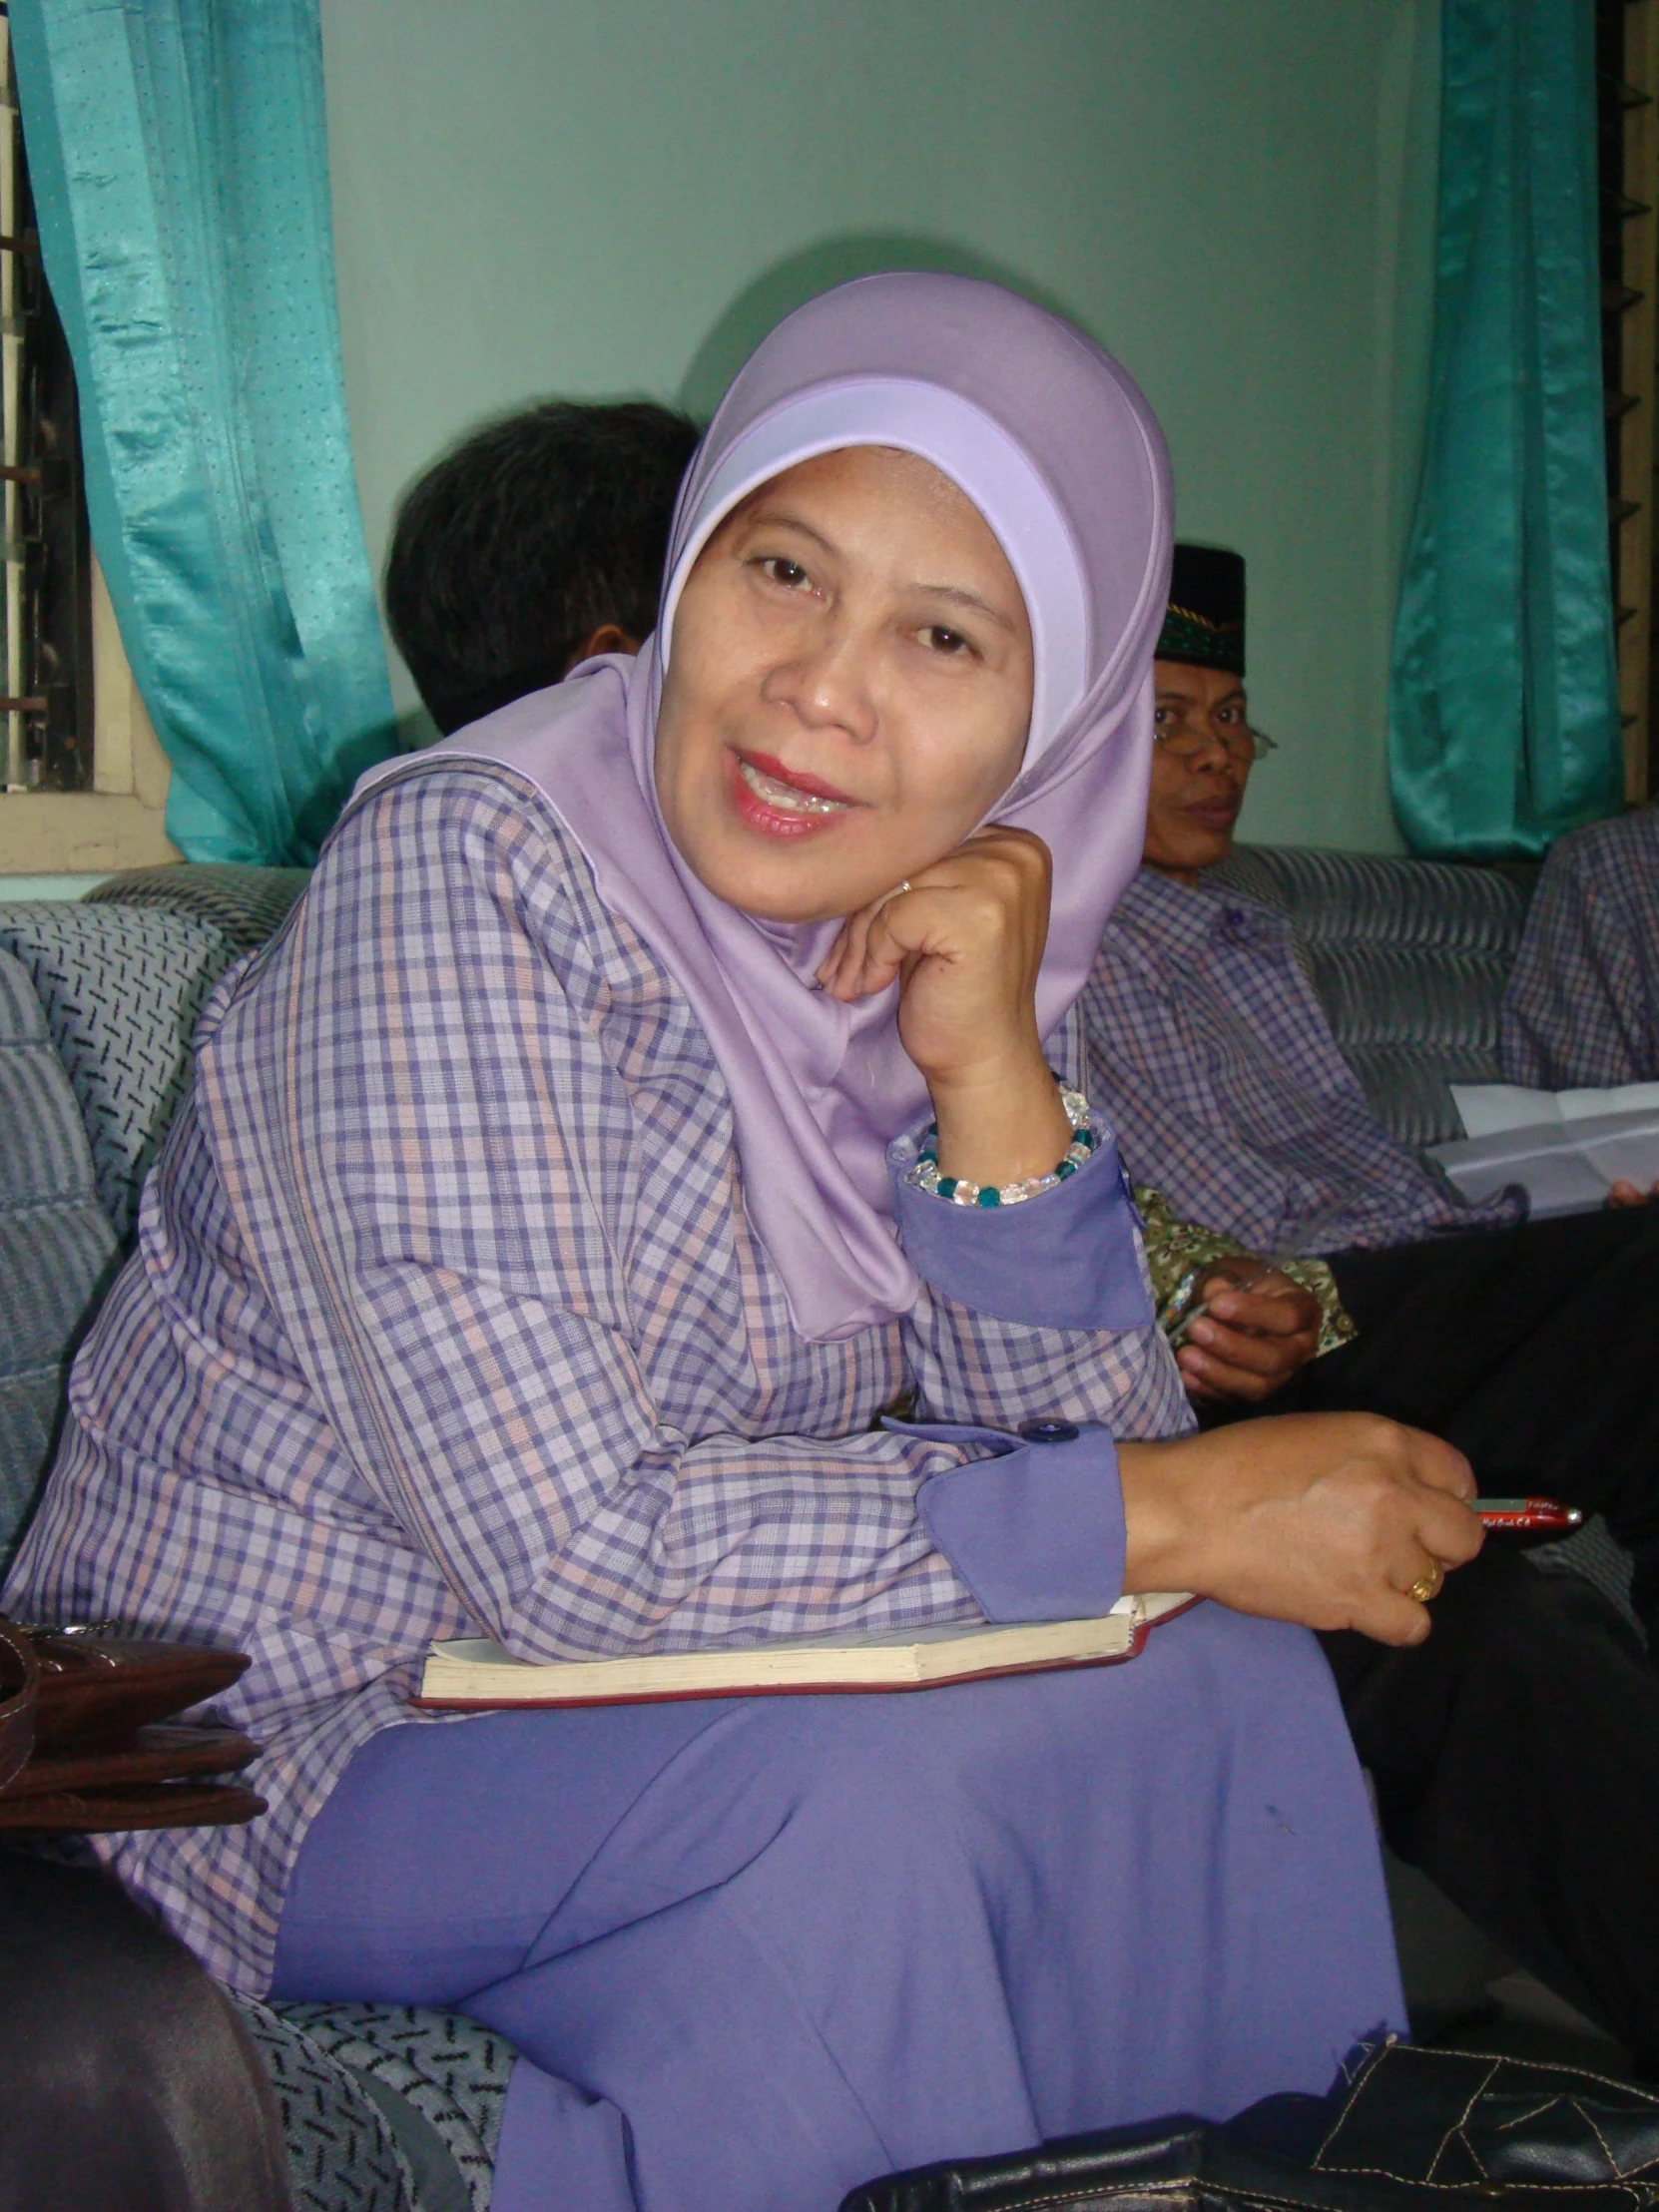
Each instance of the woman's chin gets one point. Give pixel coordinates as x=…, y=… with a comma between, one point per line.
x=763, y=897
x=803, y=879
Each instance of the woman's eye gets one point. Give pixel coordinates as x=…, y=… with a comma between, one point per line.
x=940, y=640
x=1161, y=718
x=789, y=574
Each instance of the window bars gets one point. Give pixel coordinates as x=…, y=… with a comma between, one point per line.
x=1627, y=58
x=46, y=705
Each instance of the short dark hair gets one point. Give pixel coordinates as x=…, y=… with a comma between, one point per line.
x=523, y=540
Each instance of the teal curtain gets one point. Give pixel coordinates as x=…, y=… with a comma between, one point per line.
x=178, y=160
x=1503, y=702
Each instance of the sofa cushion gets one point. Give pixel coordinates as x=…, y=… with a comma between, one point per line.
x=1409, y=959
x=452, y=2071
x=122, y=989
x=1412, y=1021
x=386, y=2107
x=57, y=1247
x=246, y=904
x=1386, y=898
x=343, y=2153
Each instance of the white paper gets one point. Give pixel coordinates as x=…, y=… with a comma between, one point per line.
x=1566, y=1165
x=1488, y=1109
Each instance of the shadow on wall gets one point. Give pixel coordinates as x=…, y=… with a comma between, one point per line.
x=416, y=730
x=756, y=310
x=801, y=276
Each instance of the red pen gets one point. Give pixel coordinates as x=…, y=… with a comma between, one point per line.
x=1534, y=1514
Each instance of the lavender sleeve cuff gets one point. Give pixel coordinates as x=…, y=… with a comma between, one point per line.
x=1066, y=1258
x=1036, y=1531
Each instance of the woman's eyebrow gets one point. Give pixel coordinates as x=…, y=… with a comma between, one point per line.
x=961, y=598
x=778, y=518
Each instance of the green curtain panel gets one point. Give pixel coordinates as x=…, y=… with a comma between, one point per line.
x=1503, y=702
x=179, y=159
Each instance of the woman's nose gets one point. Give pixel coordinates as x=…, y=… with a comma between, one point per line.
x=828, y=683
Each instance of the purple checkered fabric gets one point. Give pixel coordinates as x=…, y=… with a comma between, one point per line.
x=1582, y=1006
x=1212, y=1056
x=448, y=1320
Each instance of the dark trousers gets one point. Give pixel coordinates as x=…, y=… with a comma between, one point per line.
x=1535, y=1351
x=1516, y=1761
x=1516, y=1752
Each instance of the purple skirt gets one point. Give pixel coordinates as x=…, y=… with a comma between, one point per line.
x=754, y=1951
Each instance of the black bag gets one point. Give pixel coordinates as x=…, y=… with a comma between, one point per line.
x=1413, y=2128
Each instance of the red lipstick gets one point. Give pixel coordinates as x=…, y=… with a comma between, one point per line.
x=782, y=802
x=796, y=778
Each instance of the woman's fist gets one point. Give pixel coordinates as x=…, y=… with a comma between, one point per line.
x=964, y=939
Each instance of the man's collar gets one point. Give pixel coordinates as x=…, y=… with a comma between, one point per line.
x=1191, y=916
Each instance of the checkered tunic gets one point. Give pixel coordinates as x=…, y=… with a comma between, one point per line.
x=1582, y=1006
x=446, y=1319
x=1214, y=1060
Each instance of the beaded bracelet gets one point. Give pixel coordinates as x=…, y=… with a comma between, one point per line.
x=960, y=1192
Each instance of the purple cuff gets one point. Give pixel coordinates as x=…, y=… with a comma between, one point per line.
x=1067, y=1259
x=1035, y=1531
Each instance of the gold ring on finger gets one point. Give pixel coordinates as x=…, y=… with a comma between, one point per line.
x=1423, y=1588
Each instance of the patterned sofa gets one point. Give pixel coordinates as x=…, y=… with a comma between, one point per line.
x=388, y=2110
x=1409, y=959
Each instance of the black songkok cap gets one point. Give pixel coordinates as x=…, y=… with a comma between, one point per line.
x=1205, y=624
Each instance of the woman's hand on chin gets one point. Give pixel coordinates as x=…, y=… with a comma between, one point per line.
x=965, y=939
x=1323, y=1518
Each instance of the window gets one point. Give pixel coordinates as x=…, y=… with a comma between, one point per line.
x=82, y=782
x=1627, y=59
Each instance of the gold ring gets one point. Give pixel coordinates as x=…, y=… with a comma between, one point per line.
x=1423, y=1588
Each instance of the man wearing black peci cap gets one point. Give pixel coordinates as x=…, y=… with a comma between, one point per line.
x=1517, y=1753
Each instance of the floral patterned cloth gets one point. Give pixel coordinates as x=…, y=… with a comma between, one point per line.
x=1179, y=1255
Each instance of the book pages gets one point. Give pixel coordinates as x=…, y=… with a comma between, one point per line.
x=474, y=1672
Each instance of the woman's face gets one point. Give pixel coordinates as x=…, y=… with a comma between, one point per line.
x=850, y=688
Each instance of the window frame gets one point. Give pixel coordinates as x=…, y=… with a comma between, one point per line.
x=121, y=821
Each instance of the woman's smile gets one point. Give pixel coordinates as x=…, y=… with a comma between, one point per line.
x=781, y=802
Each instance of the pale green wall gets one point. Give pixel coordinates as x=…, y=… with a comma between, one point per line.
x=534, y=197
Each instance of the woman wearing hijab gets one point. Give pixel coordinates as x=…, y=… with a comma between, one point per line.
x=554, y=1213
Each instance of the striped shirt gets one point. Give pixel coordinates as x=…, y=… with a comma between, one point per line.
x=446, y=1319
x=1582, y=1006
x=1212, y=1056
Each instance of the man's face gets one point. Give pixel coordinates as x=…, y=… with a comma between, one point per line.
x=1200, y=766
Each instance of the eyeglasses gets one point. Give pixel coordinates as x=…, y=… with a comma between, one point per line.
x=1182, y=742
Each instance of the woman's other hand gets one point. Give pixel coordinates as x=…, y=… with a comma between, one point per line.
x=965, y=940
x=1323, y=1518
x=1248, y=1341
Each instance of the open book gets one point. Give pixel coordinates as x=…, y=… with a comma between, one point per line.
x=1565, y=1148
x=475, y=1674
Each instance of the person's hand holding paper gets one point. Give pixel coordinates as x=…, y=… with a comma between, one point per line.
x=1570, y=1151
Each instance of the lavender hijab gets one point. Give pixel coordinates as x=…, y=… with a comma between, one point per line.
x=1058, y=451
